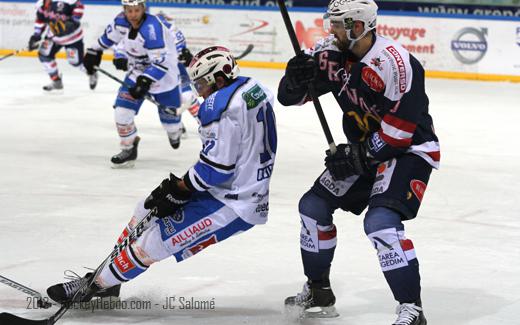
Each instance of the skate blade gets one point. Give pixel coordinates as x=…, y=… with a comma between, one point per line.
x=321, y=312
x=125, y=165
x=53, y=91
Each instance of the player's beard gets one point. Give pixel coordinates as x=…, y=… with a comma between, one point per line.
x=343, y=46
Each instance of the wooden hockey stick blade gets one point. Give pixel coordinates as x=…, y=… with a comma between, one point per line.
x=248, y=50
x=10, y=319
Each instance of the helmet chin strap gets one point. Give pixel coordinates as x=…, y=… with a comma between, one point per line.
x=354, y=40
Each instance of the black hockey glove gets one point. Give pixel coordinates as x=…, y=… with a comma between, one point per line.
x=301, y=70
x=92, y=59
x=121, y=63
x=167, y=197
x=33, y=42
x=185, y=57
x=349, y=159
x=142, y=85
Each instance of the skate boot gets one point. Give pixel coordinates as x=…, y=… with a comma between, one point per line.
x=410, y=314
x=78, y=290
x=92, y=80
x=56, y=84
x=175, y=138
x=315, y=301
x=126, y=158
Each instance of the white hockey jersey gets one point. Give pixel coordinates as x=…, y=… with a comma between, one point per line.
x=150, y=50
x=238, y=133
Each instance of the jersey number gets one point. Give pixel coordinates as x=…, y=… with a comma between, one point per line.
x=266, y=117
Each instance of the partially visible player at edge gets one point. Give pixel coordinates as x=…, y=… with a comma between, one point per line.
x=58, y=22
x=225, y=193
x=189, y=100
x=146, y=48
x=386, y=165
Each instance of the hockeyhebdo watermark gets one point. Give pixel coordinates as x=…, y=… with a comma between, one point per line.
x=113, y=303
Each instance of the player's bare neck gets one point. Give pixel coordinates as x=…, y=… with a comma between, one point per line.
x=364, y=45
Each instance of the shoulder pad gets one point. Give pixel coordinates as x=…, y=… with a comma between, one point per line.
x=120, y=20
x=391, y=62
x=325, y=44
x=152, y=32
x=217, y=103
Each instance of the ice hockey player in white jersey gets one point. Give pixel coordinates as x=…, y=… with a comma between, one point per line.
x=189, y=100
x=146, y=48
x=58, y=25
x=224, y=193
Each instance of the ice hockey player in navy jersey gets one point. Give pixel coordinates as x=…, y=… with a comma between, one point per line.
x=146, y=49
x=226, y=192
x=58, y=22
x=385, y=165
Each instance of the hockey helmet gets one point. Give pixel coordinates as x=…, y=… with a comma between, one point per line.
x=346, y=12
x=211, y=61
x=132, y=2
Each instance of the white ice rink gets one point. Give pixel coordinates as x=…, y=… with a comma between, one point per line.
x=62, y=207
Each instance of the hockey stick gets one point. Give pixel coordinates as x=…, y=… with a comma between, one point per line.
x=11, y=319
x=312, y=89
x=248, y=50
x=16, y=52
x=15, y=285
x=147, y=96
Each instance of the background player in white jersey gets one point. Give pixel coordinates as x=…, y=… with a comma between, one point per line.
x=189, y=100
x=59, y=23
x=225, y=193
x=150, y=49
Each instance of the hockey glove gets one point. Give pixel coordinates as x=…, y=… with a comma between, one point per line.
x=91, y=60
x=34, y=42
x=142, y=85
x=301, y=70
x=349, y=159
x=121, y=63
x=167, y=197
x=185, y=57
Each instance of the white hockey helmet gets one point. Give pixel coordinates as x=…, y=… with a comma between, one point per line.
x=132, y=2
x=211, y=61
x=346, y=12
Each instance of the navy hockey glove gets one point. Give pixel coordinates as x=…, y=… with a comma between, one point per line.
x=33, y=42
x=142, y=85
x=301, y=70
x=349, y=159
x=121, y=63
x=185, y=57
x=167, y=197
x=92, y=59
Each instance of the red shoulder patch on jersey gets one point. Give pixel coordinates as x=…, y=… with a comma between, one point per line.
x=418, y=188
x=372, y=79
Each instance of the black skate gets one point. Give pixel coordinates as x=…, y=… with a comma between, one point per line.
x=92, y=80
x=126, y=158
x=54, y=85
x=410, y=314
x=64, y=293
x=175, y=138
x=315, y=301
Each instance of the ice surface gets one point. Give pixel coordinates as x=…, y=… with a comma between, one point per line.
x=62, y=207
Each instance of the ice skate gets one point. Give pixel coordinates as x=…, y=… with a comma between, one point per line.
x=410, y=314
x=92, y=80
x=56, y=84
x=175, y=138
x=78, y=290
x=315, y=301
x=126, y=158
